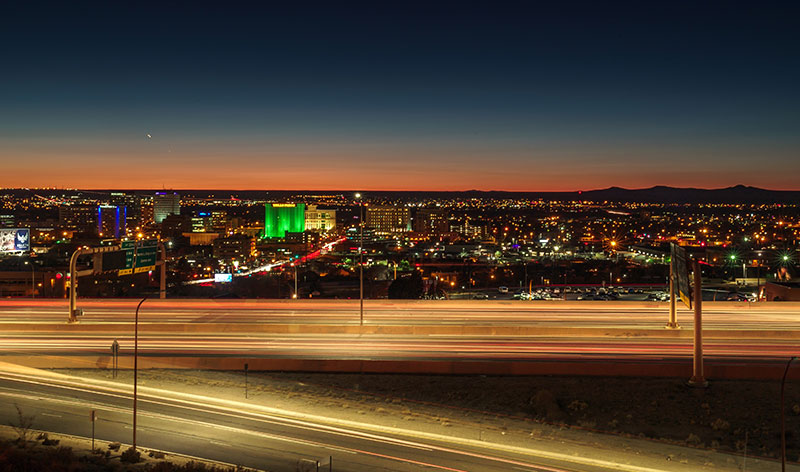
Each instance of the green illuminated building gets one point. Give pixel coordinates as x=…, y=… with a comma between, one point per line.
x=282, y=218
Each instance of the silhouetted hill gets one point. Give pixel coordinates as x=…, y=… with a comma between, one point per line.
x=662, y=194
x=657, y=194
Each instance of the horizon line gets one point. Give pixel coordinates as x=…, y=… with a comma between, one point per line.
x=577, y=191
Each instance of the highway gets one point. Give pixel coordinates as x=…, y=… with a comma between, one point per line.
x=378, y=347
x=441, y=331
x=573, y=314
x=242, y=434
x=510, y=332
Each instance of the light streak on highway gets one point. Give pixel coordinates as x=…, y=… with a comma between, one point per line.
x=392, y=347
x=173, y=413
x=716, y=315
x=400, y=330
x=268, y=267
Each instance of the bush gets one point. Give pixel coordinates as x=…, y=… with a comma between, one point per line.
x=130, y=455
x=23, y=426
x=720, y=425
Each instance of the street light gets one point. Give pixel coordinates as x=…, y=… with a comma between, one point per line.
x=783, y=415
x=33, y=280
x=136, y=366
x=295, y=280
x=360, y=259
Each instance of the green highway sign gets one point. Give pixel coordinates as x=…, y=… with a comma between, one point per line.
x=146, y=256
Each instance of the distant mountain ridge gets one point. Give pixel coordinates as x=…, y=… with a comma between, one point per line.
x=664, y=194
x=658, y=194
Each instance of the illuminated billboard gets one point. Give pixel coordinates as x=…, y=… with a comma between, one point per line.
x=282, y=218
x=15, y=240
x=223, y=278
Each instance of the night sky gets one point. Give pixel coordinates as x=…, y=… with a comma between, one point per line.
x=399, y=95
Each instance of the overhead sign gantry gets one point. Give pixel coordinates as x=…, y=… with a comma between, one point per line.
x=130, y=257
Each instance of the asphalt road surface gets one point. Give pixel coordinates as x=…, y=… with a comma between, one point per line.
x=248, y=438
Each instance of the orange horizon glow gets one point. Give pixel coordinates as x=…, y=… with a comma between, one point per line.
x=110, y=165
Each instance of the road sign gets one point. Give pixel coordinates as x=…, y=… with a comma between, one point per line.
x=146, y=254
x=680, y=269
x=112, y=260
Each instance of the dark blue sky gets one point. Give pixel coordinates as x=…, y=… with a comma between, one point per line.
x=459, y=95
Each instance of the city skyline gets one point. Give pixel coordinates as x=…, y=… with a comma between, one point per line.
x=518, y=98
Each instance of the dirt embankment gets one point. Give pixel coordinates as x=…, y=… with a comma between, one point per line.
x=728, y=415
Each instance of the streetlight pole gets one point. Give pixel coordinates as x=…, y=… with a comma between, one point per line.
x=783, y=415
x=526, y=276
x=33, y=279
x=361, y=259
x=295, y=280
x=136, y=366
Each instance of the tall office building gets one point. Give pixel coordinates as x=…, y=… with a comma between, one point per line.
x=79, y=217
x=111, y=221
x=320, y=219
x=165, y=204
x=431, y=220
x=282, y=218
x=210, y=221
x=388, y=220
x=133, y=207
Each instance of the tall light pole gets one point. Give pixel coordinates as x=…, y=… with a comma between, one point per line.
x=295, y=279
x=783, y=415
x=136, y=366
x=33, y=279
x=360, y=259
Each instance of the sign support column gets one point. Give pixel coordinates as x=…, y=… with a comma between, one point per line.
x=698, y=379
x=673, y=312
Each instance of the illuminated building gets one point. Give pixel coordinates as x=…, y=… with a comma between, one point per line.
x=175, y=225
x=201, y=239
x=237, y=247
x=210, y=221
x=282, y=218
x=80, y=217
x=388, y=220
x=431, y=220
x=320, y=219
x=111, y=221
x=146, y=216
x=133, y=207
x=165, y=204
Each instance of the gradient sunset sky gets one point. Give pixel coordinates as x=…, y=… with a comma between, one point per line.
x=400, y=95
